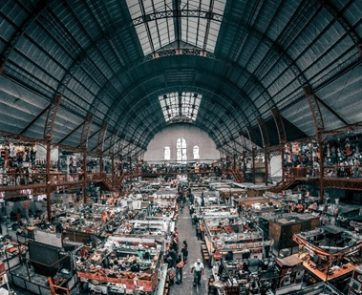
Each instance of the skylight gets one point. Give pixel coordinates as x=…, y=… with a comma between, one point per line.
x=199, y=26
x=180, y=105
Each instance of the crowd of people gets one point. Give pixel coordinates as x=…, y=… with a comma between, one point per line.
x=177, y=255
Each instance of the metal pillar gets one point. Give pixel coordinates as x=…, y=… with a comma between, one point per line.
x=279, y=123
x=52, y=113
x=283, y=167
x=84, y=188
x=266, y=165
x=321, y=169
x=113, y=170
x=253, y=155
x=47, y=179
x=244, y=163
x=100, y=154
x=319, y=128
x=101, y=137
x=85, y=131
x=48, y=132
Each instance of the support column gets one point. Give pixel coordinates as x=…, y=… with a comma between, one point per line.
x=266, y=165
x=101, y=137
x=48, y=132
x=100, y=154
x=279, y=123
x=244, y=163
x=84, y=145
x=113, y=170
x=319, y=127
x=84, y=187
x=253, y=155
x=283, y=167
x=47, y=179
x=321, y=169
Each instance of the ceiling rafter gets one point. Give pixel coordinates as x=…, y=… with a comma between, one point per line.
x=110, y=79
x=261, y=100
x=339, y=17
x=116, y=28
x=228, y=84
x=221, y=105
x=32, y=16
x=200, y=86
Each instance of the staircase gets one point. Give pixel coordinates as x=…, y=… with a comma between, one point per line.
x=284, y=185
x=113, y=184
x=235, y=173
x=238, y=175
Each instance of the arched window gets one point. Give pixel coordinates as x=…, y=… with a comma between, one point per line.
x=167, y=153
x=196, y=152
x=181, y=150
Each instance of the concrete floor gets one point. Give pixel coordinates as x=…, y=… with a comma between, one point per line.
x=187, y=232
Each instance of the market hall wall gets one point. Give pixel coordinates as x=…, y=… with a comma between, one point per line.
x=193, y=136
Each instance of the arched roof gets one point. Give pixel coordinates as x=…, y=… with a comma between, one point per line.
x=109, y=61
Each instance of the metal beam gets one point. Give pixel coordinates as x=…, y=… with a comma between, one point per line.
x=139, y=105
x=253, y=155
x=13, y=136
x=330, y=109
x=34, y=120
x=113, y=29
x=208, y=23
x=176, y=7
x=144, y=16
x=245, y=148
x=52, y=113
x=343, y=21
x=263, y=132
x=229, y=84
x=47, y=178
x=100, y=142
x=85, y=131
x=39, y=7
x=347, y=66
x=101, y=138
x=319, y=127
x=70, y=133
x=279, y=123
x=233, y=149
x=315, y=109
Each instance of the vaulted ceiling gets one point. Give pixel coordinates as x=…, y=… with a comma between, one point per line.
x=110, y=61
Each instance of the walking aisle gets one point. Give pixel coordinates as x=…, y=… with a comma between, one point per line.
x=187, y=232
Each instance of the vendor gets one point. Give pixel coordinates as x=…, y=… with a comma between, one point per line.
x=135, y=267
x=229, y=256
x=202, y=200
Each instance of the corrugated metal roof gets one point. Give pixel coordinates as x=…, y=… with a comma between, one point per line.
x=259, y=55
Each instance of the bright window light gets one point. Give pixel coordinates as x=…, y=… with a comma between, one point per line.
x=196, y=27
x=180, y=106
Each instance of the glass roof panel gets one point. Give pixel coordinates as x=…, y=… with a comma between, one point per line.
x=170, y=105
x=147, y=4
x=155, y=34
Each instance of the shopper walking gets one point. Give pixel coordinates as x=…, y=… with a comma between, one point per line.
x=191, y=198
x=197, y=269
x=179, y=267
x=185, y=252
